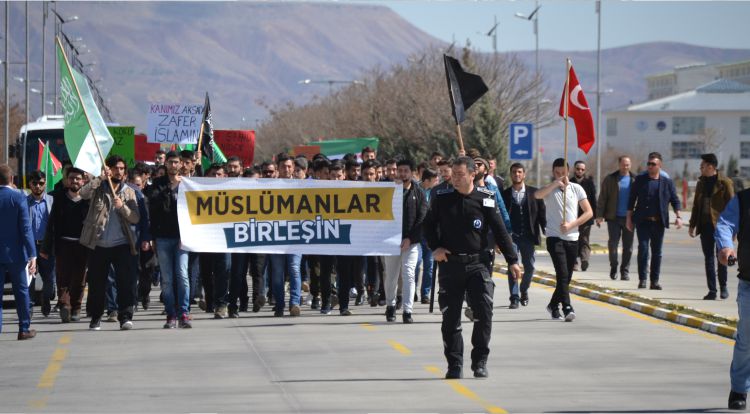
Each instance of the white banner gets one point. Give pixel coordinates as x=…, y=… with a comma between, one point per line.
x=174, y=123
x=290, y=216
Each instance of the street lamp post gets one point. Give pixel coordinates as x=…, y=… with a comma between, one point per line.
x=7, y=92
x=534, y=16
x=598, y=90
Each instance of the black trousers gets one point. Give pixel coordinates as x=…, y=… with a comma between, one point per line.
x=375, y=283
x=349, y=270
x=321, y=275
x=238, y=289
x=456, y=279
x=125, y=279
x=145, y=274
x=214, y=272
x=563, y=254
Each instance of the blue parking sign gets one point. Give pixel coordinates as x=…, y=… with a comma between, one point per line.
x=521, y=141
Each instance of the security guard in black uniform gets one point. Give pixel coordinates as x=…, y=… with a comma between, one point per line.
x=456, y=227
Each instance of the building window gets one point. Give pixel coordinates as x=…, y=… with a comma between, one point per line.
x=745, y=125
x=687, y=149
x=688, y=125
x=744, y=171
x=611, y=127
x=745, y=149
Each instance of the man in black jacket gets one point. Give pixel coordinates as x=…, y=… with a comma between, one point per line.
x=415, y=209
x=165, y=230
x=584, y=231
x=527, y=215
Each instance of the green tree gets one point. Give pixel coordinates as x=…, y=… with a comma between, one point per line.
x=487, y=135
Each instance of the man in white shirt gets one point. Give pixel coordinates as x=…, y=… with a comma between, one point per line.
x=562, y=233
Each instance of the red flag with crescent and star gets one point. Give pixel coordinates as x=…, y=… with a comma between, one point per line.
x=579, y=110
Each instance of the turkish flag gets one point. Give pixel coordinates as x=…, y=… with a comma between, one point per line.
x=578, y=109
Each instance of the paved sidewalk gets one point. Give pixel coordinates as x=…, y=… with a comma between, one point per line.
x=682, y=277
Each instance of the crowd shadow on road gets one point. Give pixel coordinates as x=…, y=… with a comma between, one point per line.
x=678, y=410
x=293, y=381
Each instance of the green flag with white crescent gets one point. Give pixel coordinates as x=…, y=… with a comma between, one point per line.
x=83, y=122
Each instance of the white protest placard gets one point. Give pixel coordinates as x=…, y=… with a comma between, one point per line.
x=253, y=215
x=174, y=123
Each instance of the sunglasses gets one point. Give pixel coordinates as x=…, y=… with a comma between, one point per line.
x=38, y=183
x=651, y=164
x=268, y=172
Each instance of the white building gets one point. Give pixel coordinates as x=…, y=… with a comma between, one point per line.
x=712, y=118
x=682, y=79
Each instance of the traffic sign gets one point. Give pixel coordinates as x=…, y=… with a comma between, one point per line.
x=521, y=141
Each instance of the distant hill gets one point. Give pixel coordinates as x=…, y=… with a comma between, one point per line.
x=241, y=52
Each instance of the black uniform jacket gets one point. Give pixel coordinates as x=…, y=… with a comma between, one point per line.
x=459, y=223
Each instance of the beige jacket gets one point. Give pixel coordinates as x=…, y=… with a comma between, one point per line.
x=98, y=215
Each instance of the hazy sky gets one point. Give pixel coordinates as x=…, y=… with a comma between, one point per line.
x=571, y=24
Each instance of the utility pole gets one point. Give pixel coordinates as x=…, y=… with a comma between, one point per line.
x=44, y=57
x=7, y=92
x=26, y=79
x=598, y=93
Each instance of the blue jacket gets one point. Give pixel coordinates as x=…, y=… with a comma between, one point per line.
x=16, y=241
x=667, y=195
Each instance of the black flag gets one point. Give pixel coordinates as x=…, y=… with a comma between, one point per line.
x=465, y=88
x=207, y=139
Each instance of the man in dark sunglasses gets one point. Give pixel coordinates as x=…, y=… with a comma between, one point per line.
x=648, y=213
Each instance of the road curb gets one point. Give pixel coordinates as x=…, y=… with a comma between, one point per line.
x=651, y=310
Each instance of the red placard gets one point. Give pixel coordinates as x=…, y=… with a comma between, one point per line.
x=143, y=150
x=309, y=151
x=237, y=142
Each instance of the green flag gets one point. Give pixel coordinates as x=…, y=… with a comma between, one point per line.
x=218, y=156
x=50, y=166
x=84, y=126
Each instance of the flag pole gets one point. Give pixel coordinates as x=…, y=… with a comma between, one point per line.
x=460, y=138
x=78, y=91
x=568, y=64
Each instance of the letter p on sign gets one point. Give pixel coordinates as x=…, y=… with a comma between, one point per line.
x=521, y=141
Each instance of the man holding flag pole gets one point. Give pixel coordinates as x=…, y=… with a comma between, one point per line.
x=107, y=227
x=457, y=228
x=562, y=199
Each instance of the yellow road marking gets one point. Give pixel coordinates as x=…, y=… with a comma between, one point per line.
x=370, y=327
x=466, y=392
x=64, y=340
x=637, y=315
x=40, y=403
x=53, y=368
x=400, y=348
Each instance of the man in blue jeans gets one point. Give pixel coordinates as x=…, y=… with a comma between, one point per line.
x=289, y=263
x=729, y=225
x=429, y=181
x=165, y=230
x=648, y=211
x=527, y=215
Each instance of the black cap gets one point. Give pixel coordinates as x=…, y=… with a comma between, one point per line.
x=710, y=159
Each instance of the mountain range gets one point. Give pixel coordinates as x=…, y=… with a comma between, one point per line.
x=242, y=53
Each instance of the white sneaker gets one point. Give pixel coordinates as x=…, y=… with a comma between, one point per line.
x=570, y=316
x=126, y=326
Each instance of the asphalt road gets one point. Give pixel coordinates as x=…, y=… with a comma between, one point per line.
x=608, y=360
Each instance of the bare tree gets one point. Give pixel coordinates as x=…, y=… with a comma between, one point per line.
x=408, y=108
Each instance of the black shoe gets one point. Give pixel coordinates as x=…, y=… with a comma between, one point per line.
x=244, y=306
x=399, y=301
x=390, y=314
x=233, y=314
x=480, y=370
x=641, y=284
x=554, y=312
x=513, y=304
x=724, y=292
x=569, y=313
x=258, y=303
x=737, y=401
x=145, y=303
x=358, y=300
x=613, y=274
x=381, y=300
x=278, y=313
x=407, y=317
x=453, y=373
x=425, y=299
x=65, y=315
x=624, y=276
x=584, y=265
x=655, y=286
x=524, y=299
x=95, y=325
x=373, y=300
x=315, y=303
x=46, y=308
x=710, y=296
